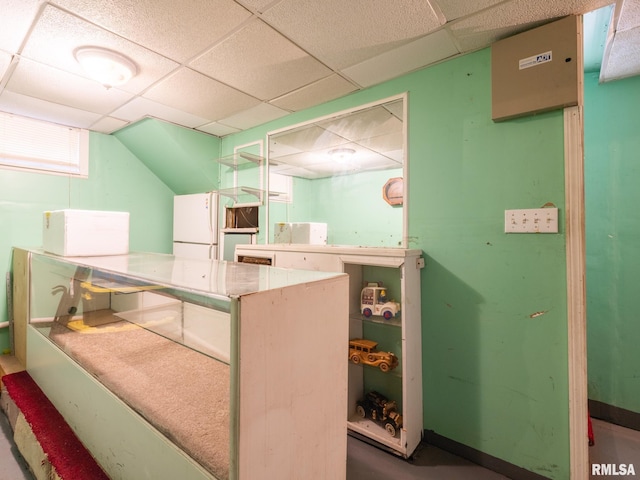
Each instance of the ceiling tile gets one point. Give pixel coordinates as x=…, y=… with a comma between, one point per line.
x=43, y=110
x=452, y=9
x=218, y=129
x=510, y=18
x=258, y=5
x=58, y=34
x=47, y=83
x=354, y=30
x=108, y=125
x=629, y=15
x=200, y=95
x=623, y=59
x=139, y=107
x=328, y=88
x=177, y=30
x=261, y=62
x=17, y=17
x=411, y=56
x=5, y=61
x=257, y=115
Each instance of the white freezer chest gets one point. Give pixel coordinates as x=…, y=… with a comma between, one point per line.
x=79, y=233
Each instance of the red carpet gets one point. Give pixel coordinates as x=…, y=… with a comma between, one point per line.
x=71, y=460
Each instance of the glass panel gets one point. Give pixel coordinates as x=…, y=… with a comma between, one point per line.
x=342, y=170
x=162, y=349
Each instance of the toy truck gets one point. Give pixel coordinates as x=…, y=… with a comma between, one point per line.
x=373, y=301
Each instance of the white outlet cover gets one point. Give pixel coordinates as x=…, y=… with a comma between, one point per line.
x=532, y=220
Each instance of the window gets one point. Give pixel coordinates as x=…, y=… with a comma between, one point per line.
x=29, y=144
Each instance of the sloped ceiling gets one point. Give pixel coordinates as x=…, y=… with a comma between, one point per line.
x=221, y=66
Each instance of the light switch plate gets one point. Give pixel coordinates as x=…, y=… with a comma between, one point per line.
x=532, y=220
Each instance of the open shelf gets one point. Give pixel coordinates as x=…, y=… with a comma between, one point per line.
x=240, y=159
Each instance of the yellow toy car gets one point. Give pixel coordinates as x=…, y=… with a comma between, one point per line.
x=364, y=351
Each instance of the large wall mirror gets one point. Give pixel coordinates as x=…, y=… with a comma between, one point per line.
x=346, y=171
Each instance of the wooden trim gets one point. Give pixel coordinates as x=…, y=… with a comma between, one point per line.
x=612, y=414
x=576, y=293
x=480, y=458
x=20, y=302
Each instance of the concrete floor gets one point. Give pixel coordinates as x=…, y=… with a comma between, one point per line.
x=614, y=444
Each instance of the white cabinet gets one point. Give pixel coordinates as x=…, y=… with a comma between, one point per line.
x=399, y=271
x=172, y=368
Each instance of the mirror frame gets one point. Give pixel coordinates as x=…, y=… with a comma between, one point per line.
x=405, y=156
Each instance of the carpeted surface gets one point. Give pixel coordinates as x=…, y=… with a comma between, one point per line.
x=67, y=455
x=184, y=394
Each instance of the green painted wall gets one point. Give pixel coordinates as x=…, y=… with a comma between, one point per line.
x=182, y=158
x=612, y=176
x=117, y=181
x=494, y=307
x=494, y=311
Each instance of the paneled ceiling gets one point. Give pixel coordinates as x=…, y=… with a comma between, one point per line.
x=222, y=66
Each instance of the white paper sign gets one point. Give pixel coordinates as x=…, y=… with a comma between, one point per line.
x=535, y=60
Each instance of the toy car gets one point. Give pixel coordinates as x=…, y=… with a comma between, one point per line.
x=364, y=351
x=381, y=410
x=373, y=301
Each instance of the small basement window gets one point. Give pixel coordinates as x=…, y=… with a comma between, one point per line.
x=29, y=144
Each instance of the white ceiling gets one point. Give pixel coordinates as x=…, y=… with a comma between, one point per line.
x=221, y=66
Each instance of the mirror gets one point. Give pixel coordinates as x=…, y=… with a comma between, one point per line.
x=340, y=171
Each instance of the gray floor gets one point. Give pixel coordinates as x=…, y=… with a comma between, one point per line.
x=365, y=462
x=614, y=444
x=12, y=464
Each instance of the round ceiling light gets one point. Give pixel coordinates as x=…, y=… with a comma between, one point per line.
x=106, y=66
x=341, y=154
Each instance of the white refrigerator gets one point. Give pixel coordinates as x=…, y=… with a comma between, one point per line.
x=195, y=225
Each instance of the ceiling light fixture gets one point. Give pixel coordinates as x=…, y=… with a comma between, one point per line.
x=106, y=66
x=341, y=154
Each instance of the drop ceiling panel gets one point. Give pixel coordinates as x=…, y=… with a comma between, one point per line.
x=217, y=129
x=261, y=62
x=342, y=33
x=139, y=108
x=47, y=45
x=257, y=115
x=629, y=15
x=258, y=5
x=200, y=95
x=509, y=18
x=452, y=9
x=406, y=58
x=178, y=30
x=108, y=125
x=16, y=17
x=5, y=61
x=47, y=111
x=293, y=54
x=325, y=89
x=47, y=83
x=624, y=56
